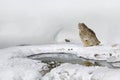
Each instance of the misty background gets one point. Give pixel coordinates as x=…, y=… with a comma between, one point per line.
x=51, y=21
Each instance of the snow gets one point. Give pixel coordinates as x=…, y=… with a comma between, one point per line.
x=106, y=74
x=69, y=72
x=77, y=72
x=35, y=23
x=20, y=69
x=14, y=65
x=87, y=52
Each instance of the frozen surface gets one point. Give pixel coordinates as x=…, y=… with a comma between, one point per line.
x=14, y=65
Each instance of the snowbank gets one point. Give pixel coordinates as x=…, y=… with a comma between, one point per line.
x=14, y=65
x=21, y=69
x=70, y=72
x=78, y=72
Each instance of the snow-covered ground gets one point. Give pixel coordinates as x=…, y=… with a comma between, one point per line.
x=52, y=21
x=15, y=65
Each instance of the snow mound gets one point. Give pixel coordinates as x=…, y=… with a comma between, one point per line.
x=70, y=72
x=106, y=74
x=77, y=72
x=21, y=69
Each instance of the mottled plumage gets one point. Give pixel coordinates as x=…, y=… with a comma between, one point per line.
x=87, y=36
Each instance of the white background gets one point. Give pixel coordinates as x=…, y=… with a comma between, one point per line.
x=39, y=21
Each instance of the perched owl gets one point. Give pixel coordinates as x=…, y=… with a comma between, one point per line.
x=88, y=37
